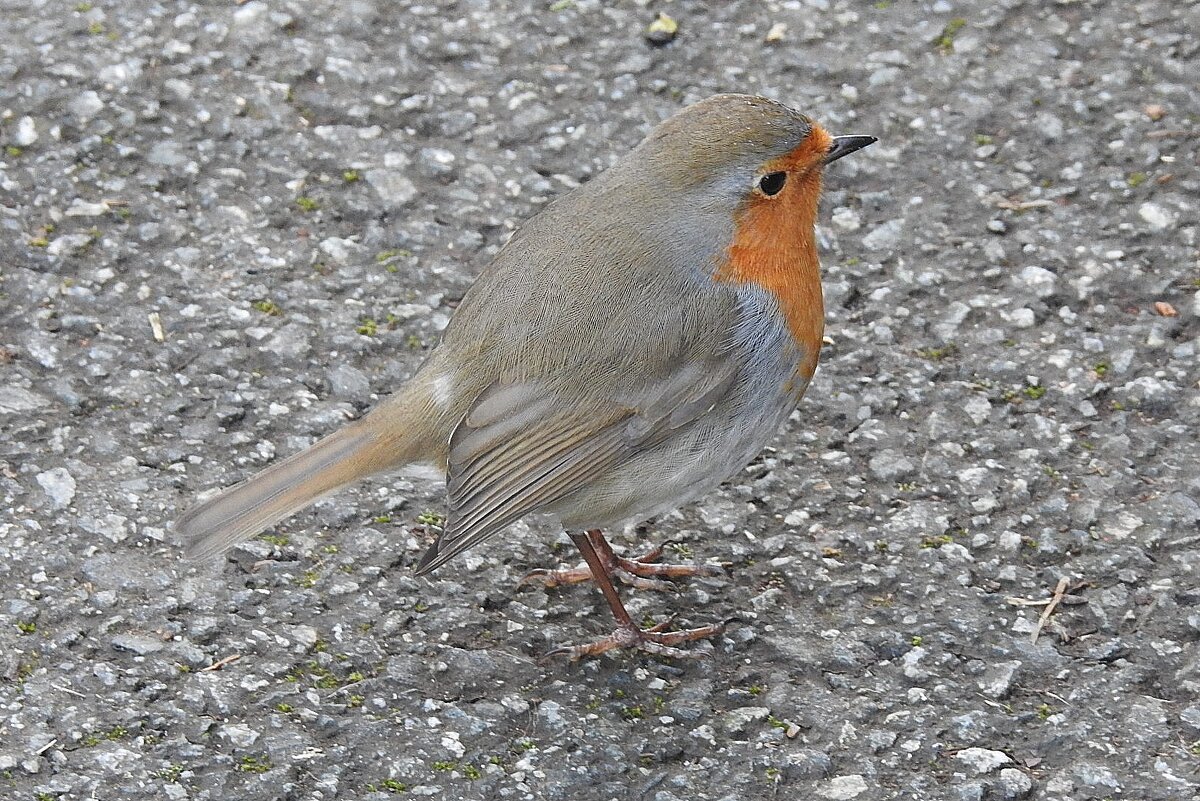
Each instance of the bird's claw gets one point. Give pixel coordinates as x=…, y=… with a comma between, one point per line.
x=653, y=640
x=642, y=572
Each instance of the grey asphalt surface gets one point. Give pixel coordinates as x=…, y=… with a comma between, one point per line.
x=294, y=195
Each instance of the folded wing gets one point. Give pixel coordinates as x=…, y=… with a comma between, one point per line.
x=522, y=446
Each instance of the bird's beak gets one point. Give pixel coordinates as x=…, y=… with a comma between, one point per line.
x=845, y=145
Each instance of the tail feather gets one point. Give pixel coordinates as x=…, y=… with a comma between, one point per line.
x=283, y=489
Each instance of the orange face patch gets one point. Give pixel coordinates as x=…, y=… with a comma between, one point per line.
x=774, y=245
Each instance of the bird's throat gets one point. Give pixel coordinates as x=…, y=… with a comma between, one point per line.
x=774, y=247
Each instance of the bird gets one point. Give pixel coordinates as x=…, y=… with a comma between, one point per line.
x=634, y=344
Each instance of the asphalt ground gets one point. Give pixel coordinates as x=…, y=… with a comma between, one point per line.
x=225, y=229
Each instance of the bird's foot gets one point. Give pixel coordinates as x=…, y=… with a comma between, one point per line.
x=653, y=640
x=643, y=572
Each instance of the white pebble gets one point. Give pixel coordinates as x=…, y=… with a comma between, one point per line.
x=26, y=133
x=59, y=485
x=1156, y=216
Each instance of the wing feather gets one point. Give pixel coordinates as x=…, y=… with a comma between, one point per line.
x=518, y=450
x=518, y=479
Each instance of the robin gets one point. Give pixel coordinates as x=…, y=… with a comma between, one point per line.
x=632, y=346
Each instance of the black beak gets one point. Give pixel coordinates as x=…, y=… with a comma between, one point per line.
x=845, y=145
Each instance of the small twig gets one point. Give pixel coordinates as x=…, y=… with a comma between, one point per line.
x=47, y=747
x=220, y=663
x=1059, y=592
x=1172, y=133
x=1022, y=205
x=68, y=691
x=1027, y=601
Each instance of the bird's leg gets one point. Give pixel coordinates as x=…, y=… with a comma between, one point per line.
x=653, y=640
x=641, y=572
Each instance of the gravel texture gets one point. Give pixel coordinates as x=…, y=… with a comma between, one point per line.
x=291, y=197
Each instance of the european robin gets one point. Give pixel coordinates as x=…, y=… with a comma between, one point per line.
x=632, y=346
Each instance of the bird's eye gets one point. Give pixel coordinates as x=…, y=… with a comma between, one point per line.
x=772, y=183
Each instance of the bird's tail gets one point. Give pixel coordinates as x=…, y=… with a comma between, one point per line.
x=285, y=488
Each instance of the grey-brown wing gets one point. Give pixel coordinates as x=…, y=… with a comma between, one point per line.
x=521, y=447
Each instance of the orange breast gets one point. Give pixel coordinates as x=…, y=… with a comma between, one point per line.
x=774, y=246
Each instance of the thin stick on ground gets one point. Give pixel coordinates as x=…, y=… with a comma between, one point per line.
x=220, y=663
x=1059, y=592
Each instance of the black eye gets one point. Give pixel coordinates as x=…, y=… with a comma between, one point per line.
x=771, y=183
